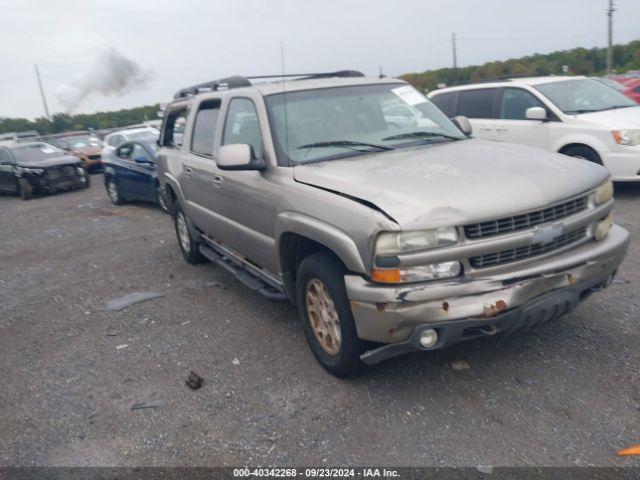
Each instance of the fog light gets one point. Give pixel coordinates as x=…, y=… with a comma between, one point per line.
x=603, y=227
x=428, y=338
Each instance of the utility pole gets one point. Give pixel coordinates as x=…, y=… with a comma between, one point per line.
x=455, y=55
x=610, y=11
x=44, y=99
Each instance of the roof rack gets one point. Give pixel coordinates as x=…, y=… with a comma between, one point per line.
x=238, y=81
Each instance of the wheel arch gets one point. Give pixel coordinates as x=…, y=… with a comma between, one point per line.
x=299, y=236
x=567, y=147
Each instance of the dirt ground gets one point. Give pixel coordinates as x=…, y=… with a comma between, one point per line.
x=568, y=394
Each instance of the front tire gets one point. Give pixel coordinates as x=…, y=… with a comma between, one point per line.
x=326, y=315
x=189, y=247
x=114, y=192
x=83, y=181
x=26, y=190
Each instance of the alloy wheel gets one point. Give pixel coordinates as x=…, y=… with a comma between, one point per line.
x=323, y=317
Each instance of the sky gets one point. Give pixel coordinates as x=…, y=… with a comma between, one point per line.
x=180, y=43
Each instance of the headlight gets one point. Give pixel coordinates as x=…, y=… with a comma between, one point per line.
x=36, y=171
x=627, y=137
x=604, y=192
x=392, y=243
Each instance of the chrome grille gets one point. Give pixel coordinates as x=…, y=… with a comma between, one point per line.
x=522, y=253
x=525, y=220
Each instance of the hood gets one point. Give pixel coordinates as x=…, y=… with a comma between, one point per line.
x=617, y=118
x=51, y=161
x=455, y=183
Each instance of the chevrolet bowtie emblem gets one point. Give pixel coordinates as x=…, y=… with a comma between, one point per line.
x=547, y=234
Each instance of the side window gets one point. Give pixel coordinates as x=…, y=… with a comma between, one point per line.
x=139, y=152
x=204, y=127
x=445, y=101
x=174, y=128
x=5, y=158
x=477, y=103
x=242, y=126
x=124, y=151
x=515, y=102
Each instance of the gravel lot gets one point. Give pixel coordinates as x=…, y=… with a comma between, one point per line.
x=568, y=394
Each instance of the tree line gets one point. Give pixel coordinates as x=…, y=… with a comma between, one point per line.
x=579, y=61
x=62, y=122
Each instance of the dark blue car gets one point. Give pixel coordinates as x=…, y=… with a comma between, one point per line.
x=130, y=174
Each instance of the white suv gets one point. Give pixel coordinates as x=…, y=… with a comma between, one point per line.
x=115, y=139
x=576, y=116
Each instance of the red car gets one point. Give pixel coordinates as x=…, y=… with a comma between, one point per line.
x=631, y=87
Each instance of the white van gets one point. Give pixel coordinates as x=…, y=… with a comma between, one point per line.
x=577, y=116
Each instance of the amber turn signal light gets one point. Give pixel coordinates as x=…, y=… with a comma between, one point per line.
x=626, y=452
x=386, y=275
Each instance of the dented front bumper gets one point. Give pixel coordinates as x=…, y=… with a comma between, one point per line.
x=391, y=314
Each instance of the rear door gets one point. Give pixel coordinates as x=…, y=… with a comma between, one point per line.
x=513, y=126
x=199, y=170
x=479, y=106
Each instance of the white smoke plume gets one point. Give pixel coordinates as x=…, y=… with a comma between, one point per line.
x=112, y=74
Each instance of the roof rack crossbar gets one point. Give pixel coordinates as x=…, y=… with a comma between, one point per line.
x=244, y=81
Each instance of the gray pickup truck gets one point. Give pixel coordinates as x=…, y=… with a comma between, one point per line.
x=388, y=236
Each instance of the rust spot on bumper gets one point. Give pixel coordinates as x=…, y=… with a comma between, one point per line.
x=445, y=306
x=381, y=307
x=494, y=309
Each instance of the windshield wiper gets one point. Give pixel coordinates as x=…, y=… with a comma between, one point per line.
x=620, y=106
x=420, y=134
x=583, y=110
x=344, y=143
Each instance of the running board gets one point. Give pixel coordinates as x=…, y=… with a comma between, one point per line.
x=243, y=275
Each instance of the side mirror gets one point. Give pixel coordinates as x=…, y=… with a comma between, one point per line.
x=463, y=124
x=536, y=113
x=238, y=156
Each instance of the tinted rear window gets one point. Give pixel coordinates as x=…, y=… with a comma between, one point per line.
x=477, y=103
x=446, y=102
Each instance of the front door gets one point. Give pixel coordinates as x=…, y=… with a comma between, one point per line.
x=513, y=125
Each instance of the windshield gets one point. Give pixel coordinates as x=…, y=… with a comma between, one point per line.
x=149, y=136
x=583, y=96
x=80, y=142
x=333, y=123
x=34, y=152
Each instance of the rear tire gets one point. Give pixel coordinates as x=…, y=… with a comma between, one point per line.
x=26, y=190
x=189, y=247
x=113, y=192
x=583, y=152
x=326, y=316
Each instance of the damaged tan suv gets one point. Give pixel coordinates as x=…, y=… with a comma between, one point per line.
x=389, y=236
